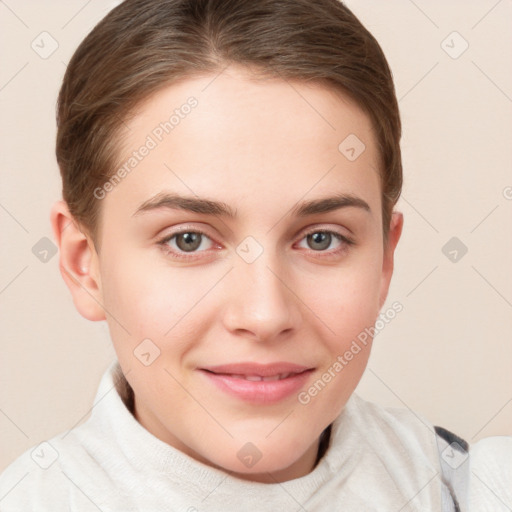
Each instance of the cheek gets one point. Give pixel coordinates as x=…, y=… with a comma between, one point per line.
x=346, y=299
x=347, y=308
x=155, y=301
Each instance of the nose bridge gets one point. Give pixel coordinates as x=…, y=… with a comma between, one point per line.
x=261, y=302
x=263, y=284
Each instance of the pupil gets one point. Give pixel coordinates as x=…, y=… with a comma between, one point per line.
x=188, y=241
x=319, y=241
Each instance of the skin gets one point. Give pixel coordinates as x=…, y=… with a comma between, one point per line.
x=260, y=147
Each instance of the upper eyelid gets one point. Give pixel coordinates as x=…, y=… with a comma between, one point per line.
x=344, y=236
x=186, y=229
x=307, y=231
x=303, y=232
x=343, y=239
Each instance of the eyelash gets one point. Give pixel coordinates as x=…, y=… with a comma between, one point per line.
x=346, y=243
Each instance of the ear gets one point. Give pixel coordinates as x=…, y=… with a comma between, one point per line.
x=395, y=230
x=78, y=263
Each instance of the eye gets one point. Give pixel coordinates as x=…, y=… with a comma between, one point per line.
x=187, y=242
x=325, y=240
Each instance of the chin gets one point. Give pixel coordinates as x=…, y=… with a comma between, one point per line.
x=271, y=463
x=272, y=471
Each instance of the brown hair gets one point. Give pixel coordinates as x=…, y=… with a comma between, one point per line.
x=142, y=46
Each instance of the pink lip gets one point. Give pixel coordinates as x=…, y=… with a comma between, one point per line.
x=230, y=378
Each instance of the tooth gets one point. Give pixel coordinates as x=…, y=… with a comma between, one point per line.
x=258, y=378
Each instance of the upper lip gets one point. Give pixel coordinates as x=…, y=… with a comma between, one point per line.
x=261, y=370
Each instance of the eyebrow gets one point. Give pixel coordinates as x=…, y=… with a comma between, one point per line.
x=191, y=204
x=329, y=204
x=209, y=207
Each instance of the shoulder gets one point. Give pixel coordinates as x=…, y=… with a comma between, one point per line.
x=490, y=450
x=399, y=436
x=72, y=468
x=62, y=470
x=66, y=470
x=35, y=480
x=400, y=423
x=491, y=474
x=477, y=475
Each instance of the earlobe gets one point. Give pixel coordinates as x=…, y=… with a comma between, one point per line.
x=78, y=263
x=395, y=231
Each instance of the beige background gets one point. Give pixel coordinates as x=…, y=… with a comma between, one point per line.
x=447, y=355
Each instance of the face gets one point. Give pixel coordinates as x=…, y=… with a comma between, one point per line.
x=241, y=256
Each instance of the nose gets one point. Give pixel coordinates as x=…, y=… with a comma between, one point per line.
x=261, y=304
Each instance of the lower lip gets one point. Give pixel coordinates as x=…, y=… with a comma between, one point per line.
x=261, y=392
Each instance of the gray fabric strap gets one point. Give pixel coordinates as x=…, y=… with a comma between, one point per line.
x=454, y=460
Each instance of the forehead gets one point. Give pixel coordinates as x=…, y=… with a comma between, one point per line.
x=236, y=102
x=245, y=138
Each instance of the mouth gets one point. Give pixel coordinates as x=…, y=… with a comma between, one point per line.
x=258, y=383
x=259, y=378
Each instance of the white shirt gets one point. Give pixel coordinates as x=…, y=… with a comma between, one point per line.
x=379, y=459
